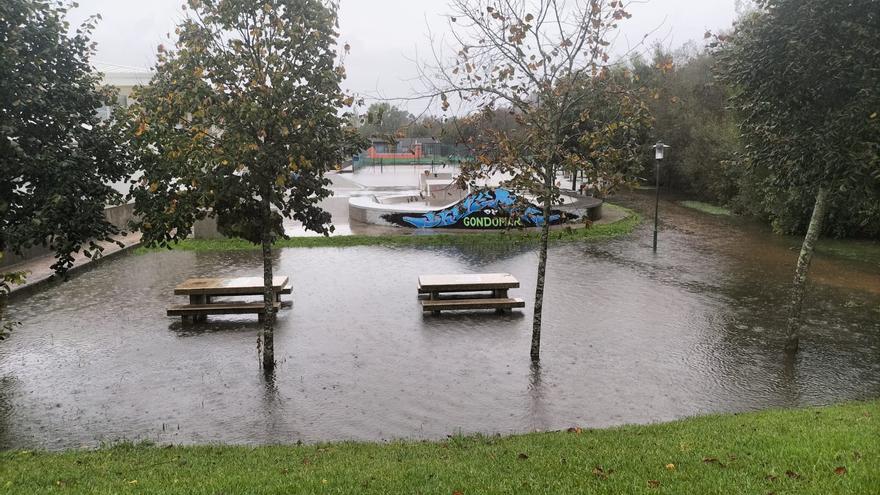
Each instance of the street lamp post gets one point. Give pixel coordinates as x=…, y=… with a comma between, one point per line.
x=659, y=150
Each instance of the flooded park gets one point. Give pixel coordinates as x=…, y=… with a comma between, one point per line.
x=630, y=336
x=446, y=246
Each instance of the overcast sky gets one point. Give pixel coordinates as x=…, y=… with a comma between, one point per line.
x=385, y=35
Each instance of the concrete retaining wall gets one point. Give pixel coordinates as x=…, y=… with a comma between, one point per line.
x=206, y=229
x=119, y=216
x=594, y=213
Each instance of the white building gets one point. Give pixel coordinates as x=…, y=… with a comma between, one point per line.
x=124, y=79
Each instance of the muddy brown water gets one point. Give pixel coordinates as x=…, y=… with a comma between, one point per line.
x=629, y=337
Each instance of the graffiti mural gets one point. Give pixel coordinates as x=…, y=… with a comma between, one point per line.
x=488, y=209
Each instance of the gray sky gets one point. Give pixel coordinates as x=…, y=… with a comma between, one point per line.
x=385, y=35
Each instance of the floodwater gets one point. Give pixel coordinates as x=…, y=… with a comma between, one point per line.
x=629, y=337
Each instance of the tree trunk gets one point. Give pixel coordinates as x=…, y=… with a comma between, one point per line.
x=539, y=286
x=800, y=273
x=267, y=338
x=3, y=325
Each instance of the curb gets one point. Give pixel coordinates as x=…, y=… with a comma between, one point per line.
x=37, y=284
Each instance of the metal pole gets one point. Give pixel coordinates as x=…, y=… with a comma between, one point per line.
x=656, y=203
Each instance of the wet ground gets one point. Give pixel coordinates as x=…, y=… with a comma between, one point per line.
x=629, y=336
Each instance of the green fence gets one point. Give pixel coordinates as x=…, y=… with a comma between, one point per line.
x=432, y=154
x=364, y=161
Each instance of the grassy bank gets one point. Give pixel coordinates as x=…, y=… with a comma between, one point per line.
x=810, y=451
x=630, y=219
x=706, y=208
x=851, y=249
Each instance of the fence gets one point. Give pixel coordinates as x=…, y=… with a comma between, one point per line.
x=418, y=154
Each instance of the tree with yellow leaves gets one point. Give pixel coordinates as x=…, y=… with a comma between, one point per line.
x=240, y=122
x=548, y=63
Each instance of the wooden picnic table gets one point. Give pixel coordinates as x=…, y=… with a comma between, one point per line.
x=201, y=292
x=433, y=284
x=497, y=284
x=241, y=286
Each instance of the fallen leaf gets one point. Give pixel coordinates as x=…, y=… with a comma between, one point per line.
x=522, y=456
x=840, y=470
x=653, y=484
x=793, y=475
x=599, y=472
x=708, y=460
x=456, y=492
x=670, y=466
x=770, y=478
x=573, y=429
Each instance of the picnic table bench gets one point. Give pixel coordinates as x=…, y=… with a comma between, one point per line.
x=492, y=287
x=202, y=291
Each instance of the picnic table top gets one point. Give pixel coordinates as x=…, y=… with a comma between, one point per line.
x=245, y=286
x=470, y=281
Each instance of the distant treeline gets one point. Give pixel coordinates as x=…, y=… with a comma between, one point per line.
x=691, y=112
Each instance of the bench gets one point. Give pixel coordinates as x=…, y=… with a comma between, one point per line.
x=477, y=303
x=445, y=292
x=202, y=291
x=225, y=308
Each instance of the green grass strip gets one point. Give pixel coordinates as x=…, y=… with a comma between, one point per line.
x=852, y=249
x=706, y=208
x=807, y=451
x=601, y=231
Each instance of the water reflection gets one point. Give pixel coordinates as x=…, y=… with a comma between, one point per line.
x=789, y=376
x=537, y=406
x=6, y=393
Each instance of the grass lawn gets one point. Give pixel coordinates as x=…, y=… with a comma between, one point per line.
x=853, y=249
x=831, y=450
x=630, y=219
x=706, y=208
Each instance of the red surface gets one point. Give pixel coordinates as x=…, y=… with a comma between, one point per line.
x=416, y=152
